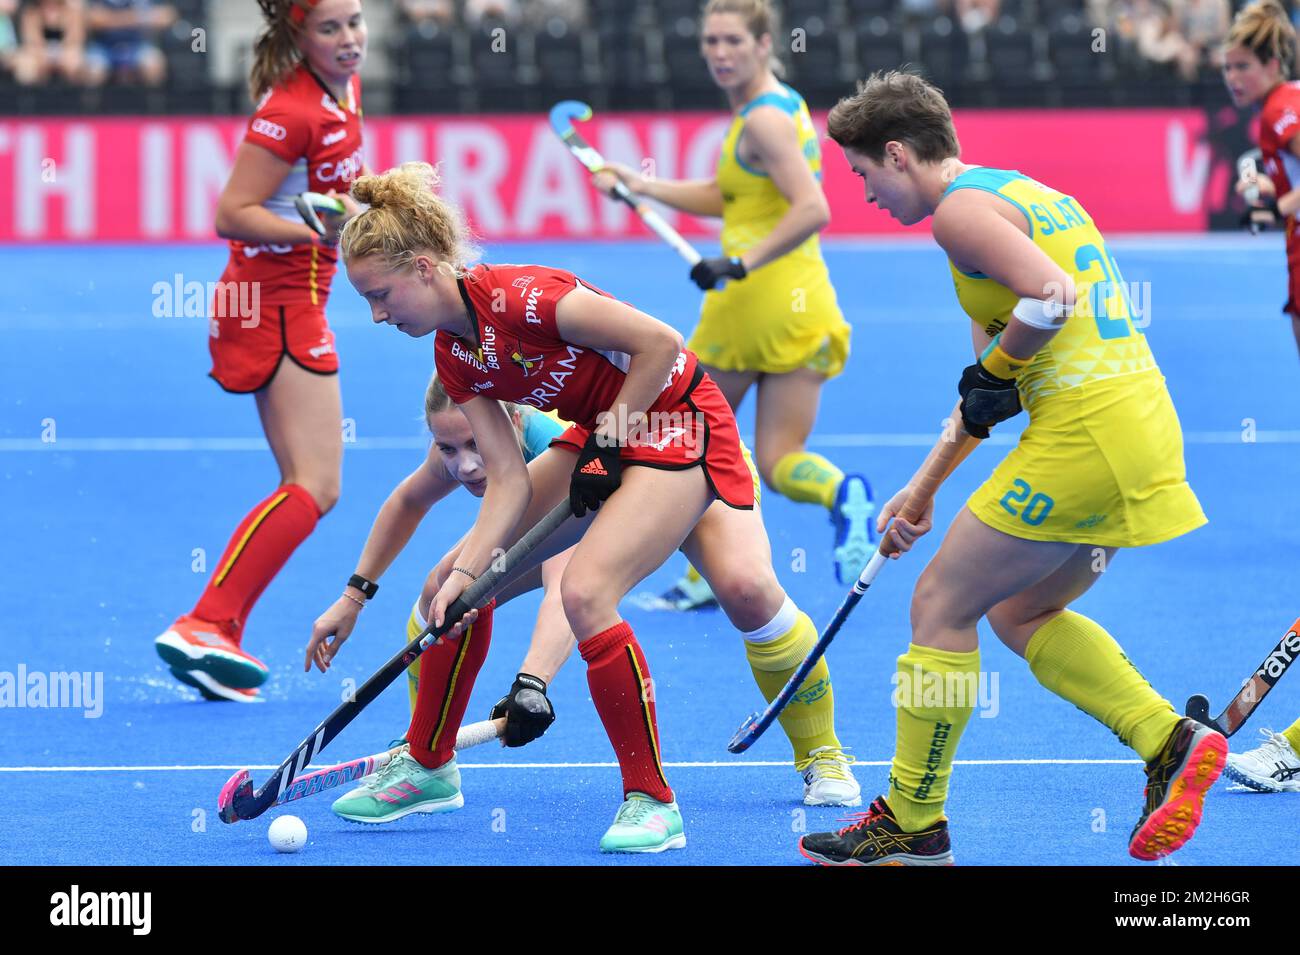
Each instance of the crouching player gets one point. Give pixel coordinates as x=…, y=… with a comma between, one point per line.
x=541, y=336
x=1099, y=467
x=453, y=461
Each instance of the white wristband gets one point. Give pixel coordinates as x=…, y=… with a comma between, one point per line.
x=1037, y=313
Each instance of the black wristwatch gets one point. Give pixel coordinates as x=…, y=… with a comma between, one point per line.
x=367, y=587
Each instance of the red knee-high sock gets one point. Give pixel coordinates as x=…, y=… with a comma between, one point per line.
x=447, y=674
x=258, y=549
x=619, y=678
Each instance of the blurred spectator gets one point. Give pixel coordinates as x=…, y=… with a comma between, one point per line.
x=492, y=12
x=975, y=15
x=542, y=13
x=52, y=41
x=924, y=8
x=1160, y=38
x=8, y=34
x=438, y=12
x=1205, y=25
x=122, y=40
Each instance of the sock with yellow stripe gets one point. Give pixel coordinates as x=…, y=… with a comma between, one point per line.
x=775, y=652
x=692, y=574
x=936, y=691
x=415, y=625
x=623, y=693
x=1079, y=661
x=1292, y=734
x=260, y=546
x=449, y=669
x=805, y=476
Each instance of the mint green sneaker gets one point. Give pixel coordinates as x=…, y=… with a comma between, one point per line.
x=401, y=788
x=644, y=825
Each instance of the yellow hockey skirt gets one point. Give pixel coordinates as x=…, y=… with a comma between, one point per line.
x=1100, y=463
x=781, y=318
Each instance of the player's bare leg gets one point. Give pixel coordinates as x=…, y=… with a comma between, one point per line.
x=730, y=548
x=1023, y=587
x=691, y=591
x=301, y=415
x=787, y=411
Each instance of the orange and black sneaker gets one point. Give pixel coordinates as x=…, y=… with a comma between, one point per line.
x=875, y=838
x=1177, y=781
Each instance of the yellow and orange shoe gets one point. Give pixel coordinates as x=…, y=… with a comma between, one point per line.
x=1177, y=781
x=197, y=646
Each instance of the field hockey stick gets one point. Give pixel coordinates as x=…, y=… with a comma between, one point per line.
x=238, y=800
x=948, y=454
x=311, y=204
x=562, y=116
x=1253, y=690
x=354, y=769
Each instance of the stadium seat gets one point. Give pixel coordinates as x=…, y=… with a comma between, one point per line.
x=625, y=60
x=883, y=45
x=1081, y=77
x=692, y=86
x=430, y=57
x=942, y=53
x=495, y=56
x=568, y=62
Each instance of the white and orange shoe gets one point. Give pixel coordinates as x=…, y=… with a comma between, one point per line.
x=210, y=689
x=197, y=646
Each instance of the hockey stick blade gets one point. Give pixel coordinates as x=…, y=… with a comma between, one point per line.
x=565, y=112
x=475, y=734
x=238, y=800
x=949, y=453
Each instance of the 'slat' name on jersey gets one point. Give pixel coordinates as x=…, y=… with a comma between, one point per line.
x=1071, y=215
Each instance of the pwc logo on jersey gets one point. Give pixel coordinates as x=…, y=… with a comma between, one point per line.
x=550, y=386
x=269, y=129
x=1288, y=118
x=345, y=169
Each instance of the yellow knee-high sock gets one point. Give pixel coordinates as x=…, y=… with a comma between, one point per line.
x=804, y=476
x=1079, y=661
x=414, y=627
x=774, y=653
x=1292, y=734
x=936, y=691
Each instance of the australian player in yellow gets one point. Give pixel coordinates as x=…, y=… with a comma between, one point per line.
x=775, y=323
x=1099, y=467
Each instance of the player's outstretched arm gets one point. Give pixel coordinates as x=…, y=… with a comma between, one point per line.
x=400, y=515
x=699, y=197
